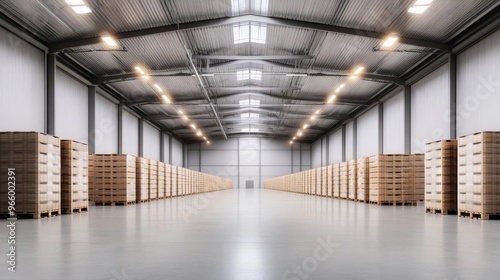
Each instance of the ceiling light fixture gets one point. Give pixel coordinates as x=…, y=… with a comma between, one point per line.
x=81, y=9
x=208, y=142
x=110, y=41
x=204, y=138
x=186, y=118
x=158, y=87
x=75, y=2
x=294, y=138
x=180, y=112
x=358, y=71
x=193, y=126
x=305, y=126
x=313, y=118
x=332, y=98
x=340, y=87
x=317, y=112
x=139, y=69
x=198, y=133
x=300, y=133
x=291, y=142
x=420, y=6
x=166, y=99
x=393, y=38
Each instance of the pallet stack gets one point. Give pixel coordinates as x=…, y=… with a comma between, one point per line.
x=479, y=175
x=363, y=179
x=181, y=181
x=329, y=179
x=91, y=177
x=336, y=180
x=153, y=180
x=314, y=183
x=173, y=180
x=168, y=180
x=344, y=180
x=396, y=179
x=34, y=158
x=142, y=182
x=418, y=178
x=114, y=179
x=441, y=177
x=324, y=181
x=353, y=183
x=161, y=180
x=74, y=177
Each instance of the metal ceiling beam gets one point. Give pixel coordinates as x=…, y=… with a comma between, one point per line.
x=307, y=71
x=238, y=19
x=132, y=76
x=205, y=92
x=252, y=57
x=208, y=129
x=247, y=88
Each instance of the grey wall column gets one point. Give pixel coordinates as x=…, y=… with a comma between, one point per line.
x=300, y=156
x=381, y=128
x=343, y=143
x=199, y=157
x=407, y=119
x=453, y=95
x=120, y=128
x=91, y=112
x=162, y=146
x=327, y=160
x=51, y=89
x=141, y=137
x=291, y=158
x=185, y=155
x=170, y=149
x=355, y=139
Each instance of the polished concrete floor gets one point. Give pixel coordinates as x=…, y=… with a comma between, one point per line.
x=255, y=234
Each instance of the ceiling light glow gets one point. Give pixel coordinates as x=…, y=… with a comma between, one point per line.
x=110, y=41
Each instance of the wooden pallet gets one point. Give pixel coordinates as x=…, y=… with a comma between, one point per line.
x=477, y=215
x=394, y=203
x=26, y=215
x=74, y=210
x=114, y=203
x=439, y=211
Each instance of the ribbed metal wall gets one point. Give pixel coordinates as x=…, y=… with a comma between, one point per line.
x=335, y=147
x=130, y=134
x=106, y=123
x=177, y=153
x=151, y=142
x=478, y=87
x=394, y=125
x=367, y=133
x=430, y=99
x=166, y=148
x=71, y=108
x=22, y=85
x=316, y=154
x=349, y=144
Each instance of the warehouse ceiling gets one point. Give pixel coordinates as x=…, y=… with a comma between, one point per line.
x=274, y=68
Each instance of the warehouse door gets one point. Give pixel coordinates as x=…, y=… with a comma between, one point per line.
x=249, y=184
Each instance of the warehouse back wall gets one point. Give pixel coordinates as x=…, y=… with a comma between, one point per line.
x=253, y=159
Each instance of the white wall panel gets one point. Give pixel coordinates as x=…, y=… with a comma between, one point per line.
x=296, y=157
x=249, y=143
x=219, y=157
x=275, y=171
x=296, y=169
x=249, y=157
x=106, y=122
x=349, y=145
x=324, y=151
x=151, y=142
x=130, y=134
x=316, y=154
x=270, y=144
x=22, y=86
x=193, y=157
x=276, y=158
x=249, y=171
x=478, y=87
x=306, y=158
x=430, y=99
x=194, y=167
x=367, y=133
x=335, y=148
x=177, y=153
x=71, y=109
x=394, y=124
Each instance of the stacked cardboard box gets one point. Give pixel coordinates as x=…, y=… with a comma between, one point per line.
x=168, y=181
x=329, y=181
x=363, y=178
x=352, y=175
x=161, y=180
x=114, y=179
x=441, y=177
x=153, y=180
x=479, y=175
x=344, y=180
x=173, y=180
x=142, y=182
x=336, y=180
x=418, y=171
x=74, y=177
x=91, y=177
x=324, y=181
x=30, y=164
